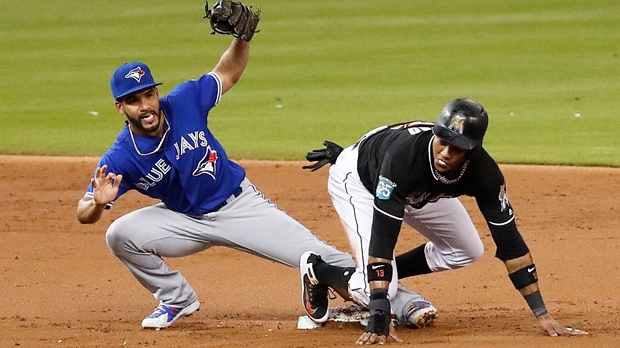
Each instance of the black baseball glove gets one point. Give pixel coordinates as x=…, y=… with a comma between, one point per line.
x=323, y=156
x=233, y=18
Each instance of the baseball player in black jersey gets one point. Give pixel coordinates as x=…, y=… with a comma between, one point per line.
x=412, y=173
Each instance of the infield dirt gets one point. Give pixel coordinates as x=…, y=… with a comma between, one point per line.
x=63, y=288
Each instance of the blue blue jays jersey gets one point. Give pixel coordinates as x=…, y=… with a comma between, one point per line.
x=187, y=168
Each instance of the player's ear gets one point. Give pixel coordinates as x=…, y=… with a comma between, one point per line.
x=119, y=107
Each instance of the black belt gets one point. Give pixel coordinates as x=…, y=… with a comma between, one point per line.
x=226, y=201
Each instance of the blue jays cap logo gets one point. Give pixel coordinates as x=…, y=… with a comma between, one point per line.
x=135, y=74
x=456, y=124
x=131, y=77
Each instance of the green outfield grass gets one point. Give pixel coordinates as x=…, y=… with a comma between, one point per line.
x=547, y=71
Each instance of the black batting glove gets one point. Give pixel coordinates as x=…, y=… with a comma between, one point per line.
x=323, y=156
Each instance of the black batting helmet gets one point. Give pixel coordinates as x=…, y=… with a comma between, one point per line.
x=462, y=123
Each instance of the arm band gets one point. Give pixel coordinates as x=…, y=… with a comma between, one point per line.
x=535, y=301
x=524, y=277
x=379, y=271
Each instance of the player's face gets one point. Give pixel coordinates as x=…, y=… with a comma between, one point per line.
x=447, y=158
x=143, y=112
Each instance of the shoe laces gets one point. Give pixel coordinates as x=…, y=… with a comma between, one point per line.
x=318, y=294
x=163, y=309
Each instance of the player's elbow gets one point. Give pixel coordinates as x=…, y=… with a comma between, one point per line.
x=85, y=214
x=84, y=219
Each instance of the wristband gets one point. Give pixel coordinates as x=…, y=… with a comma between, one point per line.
x=379, y=271
x=524, y=277
x=535, y=301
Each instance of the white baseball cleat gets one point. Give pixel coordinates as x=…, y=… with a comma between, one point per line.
x=420, y=314
x=163, y=316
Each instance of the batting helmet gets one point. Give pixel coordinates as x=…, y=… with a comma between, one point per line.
x=462, y=123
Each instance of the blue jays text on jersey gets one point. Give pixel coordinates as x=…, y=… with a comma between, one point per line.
x=187, y=168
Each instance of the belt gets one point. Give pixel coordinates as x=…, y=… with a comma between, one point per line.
x=228, y=200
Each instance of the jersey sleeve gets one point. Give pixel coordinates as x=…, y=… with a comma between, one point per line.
x=494, y=204
x=205, y=91
x=389, y=207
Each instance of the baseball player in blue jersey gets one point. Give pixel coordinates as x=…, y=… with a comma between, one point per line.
x=412, y=173
x=166, y=151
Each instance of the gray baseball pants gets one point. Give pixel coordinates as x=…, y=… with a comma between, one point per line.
x=249, y=222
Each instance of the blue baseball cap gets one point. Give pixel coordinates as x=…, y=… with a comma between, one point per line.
x=131, y=77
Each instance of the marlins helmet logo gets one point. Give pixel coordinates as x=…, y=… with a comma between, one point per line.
x=135, y=74
x=456, y=124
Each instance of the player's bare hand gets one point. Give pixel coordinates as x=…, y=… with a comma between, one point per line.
x=553, y=328
x=105, y=186
x=372, y=338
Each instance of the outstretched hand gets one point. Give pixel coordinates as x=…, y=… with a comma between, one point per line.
x=553, y=328
x=372, y=338
x=105, y=187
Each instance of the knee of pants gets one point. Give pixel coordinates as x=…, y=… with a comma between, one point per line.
x=444, y=260
x=467, y=257
x=117, y=236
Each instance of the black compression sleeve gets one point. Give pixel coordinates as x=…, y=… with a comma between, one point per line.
x=510, y=243
x=412, y=263
x=385, y=232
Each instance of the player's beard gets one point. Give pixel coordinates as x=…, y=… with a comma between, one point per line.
x=147, y=123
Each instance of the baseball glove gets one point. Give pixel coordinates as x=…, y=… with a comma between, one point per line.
x=323, y=156
x=233, y=18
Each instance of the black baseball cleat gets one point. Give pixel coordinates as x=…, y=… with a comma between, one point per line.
x=313, y=295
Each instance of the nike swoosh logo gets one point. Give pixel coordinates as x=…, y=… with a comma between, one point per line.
x=530, y=270
x=376, y=266
x=309, y=308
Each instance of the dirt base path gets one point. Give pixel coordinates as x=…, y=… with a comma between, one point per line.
x=63, y=288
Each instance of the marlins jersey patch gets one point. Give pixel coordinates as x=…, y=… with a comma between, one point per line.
x=385, y=187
